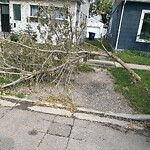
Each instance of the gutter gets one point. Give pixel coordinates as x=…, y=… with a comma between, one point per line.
x=81, y=1
x=120, y=24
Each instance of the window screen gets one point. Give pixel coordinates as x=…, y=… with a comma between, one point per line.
x=17, y=12
x=34, y=10
x=5, y=9
x=145, y=32
x=60, y=13
x=4, y=1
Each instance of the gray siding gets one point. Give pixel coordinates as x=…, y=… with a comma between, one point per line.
x=130, y=24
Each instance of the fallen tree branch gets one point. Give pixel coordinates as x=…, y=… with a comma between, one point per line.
x=10, y=67
x=57, y=51
x=136, y=76
x=12, y=73
x=29, y=76
x=16, y=82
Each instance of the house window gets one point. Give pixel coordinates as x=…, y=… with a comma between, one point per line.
x=144, y=27
x=5, y=9
x=60, y=13
x=17, y=12
x=4, y=1
x=57, y=13
x=36, y=11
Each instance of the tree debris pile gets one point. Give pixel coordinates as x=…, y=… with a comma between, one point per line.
x=32, y=61
x=60, y=100
x=52, y=61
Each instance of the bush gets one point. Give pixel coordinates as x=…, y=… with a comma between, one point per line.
x=14, y=37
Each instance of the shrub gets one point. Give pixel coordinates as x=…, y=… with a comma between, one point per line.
x=14, y=37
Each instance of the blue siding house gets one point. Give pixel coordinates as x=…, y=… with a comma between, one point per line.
x=129, y=26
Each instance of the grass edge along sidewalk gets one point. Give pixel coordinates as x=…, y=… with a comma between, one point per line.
x=138, y=94
x=134, y=57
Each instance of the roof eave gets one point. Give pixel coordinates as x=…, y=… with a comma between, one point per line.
x=117, y=2
x=82, y=1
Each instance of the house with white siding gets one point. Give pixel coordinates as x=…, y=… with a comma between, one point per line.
x=15, y=15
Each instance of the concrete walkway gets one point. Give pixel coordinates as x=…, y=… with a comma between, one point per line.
x=116, y=64
x=26, y=130
x=46, y=128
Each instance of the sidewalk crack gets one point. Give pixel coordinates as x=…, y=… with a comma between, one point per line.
x=44, y=135
x=70, y=134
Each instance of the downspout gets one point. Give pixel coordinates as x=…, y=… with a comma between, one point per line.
x=120, y=24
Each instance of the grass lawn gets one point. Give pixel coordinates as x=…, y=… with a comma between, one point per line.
x=136, y=57
x=8, y=78
x=127, y=56
x=94, y=42
x=138, y=94
x=98, y=44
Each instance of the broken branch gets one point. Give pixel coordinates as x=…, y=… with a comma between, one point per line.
x=136, y=76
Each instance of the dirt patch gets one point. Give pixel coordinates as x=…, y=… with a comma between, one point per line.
x=91, y=90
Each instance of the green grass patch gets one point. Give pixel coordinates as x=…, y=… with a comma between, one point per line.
x=83, y=67
x=136, y=57
x=138, y=93
x=94, y=42
x=98, y=44
x=5, y=79
x=20, y=95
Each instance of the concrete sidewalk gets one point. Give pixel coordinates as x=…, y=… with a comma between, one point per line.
x=116, y=64
x=26, y=130
x=25, y=126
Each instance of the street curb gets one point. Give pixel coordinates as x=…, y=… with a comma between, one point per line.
x=134, y=117
x=81, y=113
x=122, y=116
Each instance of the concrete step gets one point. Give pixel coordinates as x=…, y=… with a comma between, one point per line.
x=116, y=64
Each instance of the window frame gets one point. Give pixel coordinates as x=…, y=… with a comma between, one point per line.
x=4, y=1
x=33, y=18
x=59, y=9
x=31, y=10
x=14, y=13
x=138, y=39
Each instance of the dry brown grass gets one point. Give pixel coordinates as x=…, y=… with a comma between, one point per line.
x=61, y=99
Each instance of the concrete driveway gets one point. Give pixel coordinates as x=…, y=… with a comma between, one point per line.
x=27, y=130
